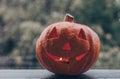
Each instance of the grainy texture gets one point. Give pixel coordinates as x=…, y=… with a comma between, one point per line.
x=44, y=74
x=67, y=47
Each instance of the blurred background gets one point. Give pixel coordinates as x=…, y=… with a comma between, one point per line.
x=22, y=21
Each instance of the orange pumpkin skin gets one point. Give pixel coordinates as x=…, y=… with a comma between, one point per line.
x=67, y=47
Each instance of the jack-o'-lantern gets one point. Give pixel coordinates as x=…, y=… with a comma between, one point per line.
x=67, y=47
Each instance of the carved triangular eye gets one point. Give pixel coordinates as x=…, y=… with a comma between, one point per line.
x=82, y=34
x=53, y=33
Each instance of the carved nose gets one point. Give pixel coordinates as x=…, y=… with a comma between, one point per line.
x=66, y=46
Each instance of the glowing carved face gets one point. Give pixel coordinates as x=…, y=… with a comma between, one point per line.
x=65, y=46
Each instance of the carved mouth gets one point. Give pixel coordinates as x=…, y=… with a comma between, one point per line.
x=64, y=59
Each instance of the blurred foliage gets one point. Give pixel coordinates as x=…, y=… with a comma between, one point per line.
x=22, y=21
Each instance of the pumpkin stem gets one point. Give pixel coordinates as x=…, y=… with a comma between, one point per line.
x=68, y=18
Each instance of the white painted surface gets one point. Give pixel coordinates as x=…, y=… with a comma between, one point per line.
x=44, y=74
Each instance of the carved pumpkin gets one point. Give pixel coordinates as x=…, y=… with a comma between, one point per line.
x=67, y=47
